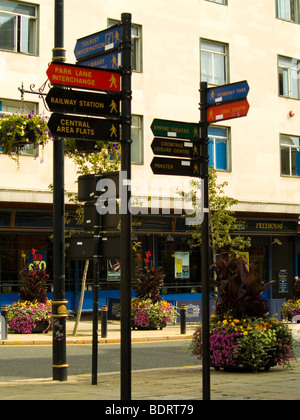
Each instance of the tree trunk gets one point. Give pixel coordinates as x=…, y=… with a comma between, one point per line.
x=81, y=297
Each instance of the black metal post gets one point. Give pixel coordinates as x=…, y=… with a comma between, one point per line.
x=104, y=321
x=59, y=304
x=183, y=319
x=4, y=310
x=95, y=321
x=126, y=218
x=205, y=248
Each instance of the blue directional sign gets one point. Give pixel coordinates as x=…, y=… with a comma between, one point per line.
x=230, y=92
x=111, y=61
x=100, y=42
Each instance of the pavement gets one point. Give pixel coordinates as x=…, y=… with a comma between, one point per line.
x=180, y=387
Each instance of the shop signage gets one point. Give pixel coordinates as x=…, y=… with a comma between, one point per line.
x=175, y=148
x=230, y=92
x=99, y=42
x=84, y=128
x=85, y=103
x=283, y=286
x=84, y=77
x=182, y=265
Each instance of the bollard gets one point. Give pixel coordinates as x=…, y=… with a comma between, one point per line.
x=3, y=322
x=104, y=321
x=182, y=319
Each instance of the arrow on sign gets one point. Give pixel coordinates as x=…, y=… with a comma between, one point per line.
x=110, y=61
x=79, y=102
x=100, y=42
x=175, y=129
x=84, y=77
x=84, y=128
x=176, y=148
x=228, y=111
x=184, y=167
x=231, y=92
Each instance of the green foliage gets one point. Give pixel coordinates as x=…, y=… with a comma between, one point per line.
x=150, y=280
x=107, y=159
x=221, y=220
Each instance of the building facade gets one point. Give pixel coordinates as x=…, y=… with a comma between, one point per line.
x=175, y=46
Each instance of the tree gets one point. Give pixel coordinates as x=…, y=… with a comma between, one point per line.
x=222, y=220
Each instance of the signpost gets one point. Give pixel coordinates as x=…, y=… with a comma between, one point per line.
x=85, y=103
x=84, y=128
x=228, y=111
x=181, y=167
x=84, y=77
x=110, y=61
x=176, y=148
x=230, y=92
x=102, y=41
x=175, y=129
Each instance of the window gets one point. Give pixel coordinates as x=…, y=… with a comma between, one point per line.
x=137, y=140
x=219, y=1
x=218, y=149
x=290, y=155
x=289, y=74
x=14, y=107
x=136, y=37
x=288, y=10
x=213, y=62
x=18, y=27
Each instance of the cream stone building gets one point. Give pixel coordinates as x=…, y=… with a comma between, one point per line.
x=175, y=46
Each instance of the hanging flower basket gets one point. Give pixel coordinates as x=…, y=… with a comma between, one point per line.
x=19, y=130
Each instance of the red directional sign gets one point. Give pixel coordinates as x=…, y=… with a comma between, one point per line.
x=84, y=77
x=228, y=111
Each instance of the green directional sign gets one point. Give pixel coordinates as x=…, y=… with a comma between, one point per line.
x=175, y=129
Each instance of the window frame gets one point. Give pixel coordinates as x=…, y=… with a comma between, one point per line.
x=19, y=19
x=215, y=54
x=293, y=158
x=293, y=10
x=214, y=139
x=286, y=71
x=139, y=129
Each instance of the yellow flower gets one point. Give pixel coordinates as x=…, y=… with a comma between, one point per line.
x=245, y=333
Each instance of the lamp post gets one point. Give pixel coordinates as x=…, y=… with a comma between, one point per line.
x=59, y=304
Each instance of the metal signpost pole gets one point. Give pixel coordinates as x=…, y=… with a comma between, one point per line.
x=205, y=250
x=59, y=304
x=126, y=218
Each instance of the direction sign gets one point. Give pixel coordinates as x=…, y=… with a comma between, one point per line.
x=110, y=61
x=84, y=128
x=230, y=92
x=228, y=111
x=84, y=77
x=175, y=129
x=100, y=42
x=175, y=148
x=85, y=103
x=184, y=167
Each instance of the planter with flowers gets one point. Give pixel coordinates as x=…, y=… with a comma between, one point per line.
x=290, y=308
x=33, y=312
x=148, y=310
x=18, y=130
x=242, y=336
